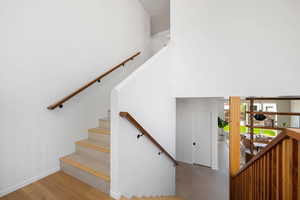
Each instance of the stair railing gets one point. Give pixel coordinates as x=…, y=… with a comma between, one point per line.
x=274, y=173
x=98, y=79
x=127, y=116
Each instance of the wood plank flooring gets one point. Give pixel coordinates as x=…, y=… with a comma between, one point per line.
x=58, y=186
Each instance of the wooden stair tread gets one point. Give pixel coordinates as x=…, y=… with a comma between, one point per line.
x=100, y=131
x=95, y=145
x=86, y=164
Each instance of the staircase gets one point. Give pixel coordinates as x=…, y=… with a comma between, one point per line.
x=153, y=198
x=91, y=161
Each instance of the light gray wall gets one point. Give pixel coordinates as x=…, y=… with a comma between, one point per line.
x=159, y=40
x=146, y=95
x=48, y=49
x=159, y=10
x=295, y=120
x=283, y=106
x=160, y=22
x=242, y=48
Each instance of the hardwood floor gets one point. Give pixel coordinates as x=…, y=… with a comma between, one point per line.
x=58, y=186
x=194, y=182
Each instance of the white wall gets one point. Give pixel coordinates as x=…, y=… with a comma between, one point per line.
x=283, y=106
x=137, y=169
x=160, y=23
x=244, y=48
x=48, y=49
x=160, y=40
x=99, y=97
x=218, y=48
x=160, y=14
x=295, y=120
x=185, y=107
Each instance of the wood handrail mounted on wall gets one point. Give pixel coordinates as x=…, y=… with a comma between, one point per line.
x=98, y=79
x=127, y=116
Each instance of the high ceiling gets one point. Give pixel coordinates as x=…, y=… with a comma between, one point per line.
x=156, y=7
x=159, y=10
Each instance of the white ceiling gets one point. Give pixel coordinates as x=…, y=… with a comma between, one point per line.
x=156, y=7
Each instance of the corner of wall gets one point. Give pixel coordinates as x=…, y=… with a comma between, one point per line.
x=145, y=94
x=114, y=186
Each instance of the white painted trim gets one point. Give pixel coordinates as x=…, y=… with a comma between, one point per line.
x=214, y=140
x=13, y=188
x=115, y=195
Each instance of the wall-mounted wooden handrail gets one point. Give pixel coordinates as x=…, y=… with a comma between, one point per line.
x=66, y=98
x=145, y=133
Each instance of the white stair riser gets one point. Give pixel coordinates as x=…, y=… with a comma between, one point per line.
x=85, y=177
x=104, y=124
x=104, y=138
x=102, y=157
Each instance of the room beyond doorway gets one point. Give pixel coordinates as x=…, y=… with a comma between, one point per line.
x=201, y=152
x=197, y=130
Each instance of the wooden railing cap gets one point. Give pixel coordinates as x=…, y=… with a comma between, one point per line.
x=123, y=114
x=293, y=133
x=287, y=132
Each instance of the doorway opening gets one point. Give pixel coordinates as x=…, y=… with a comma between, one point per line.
x=200, y=149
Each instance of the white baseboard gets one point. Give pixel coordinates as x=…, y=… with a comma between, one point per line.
x=13, y=188
x=115, y=195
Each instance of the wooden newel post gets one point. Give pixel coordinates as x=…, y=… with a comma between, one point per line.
x=234, y=141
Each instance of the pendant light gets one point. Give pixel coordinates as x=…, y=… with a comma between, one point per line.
x=260, y=117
